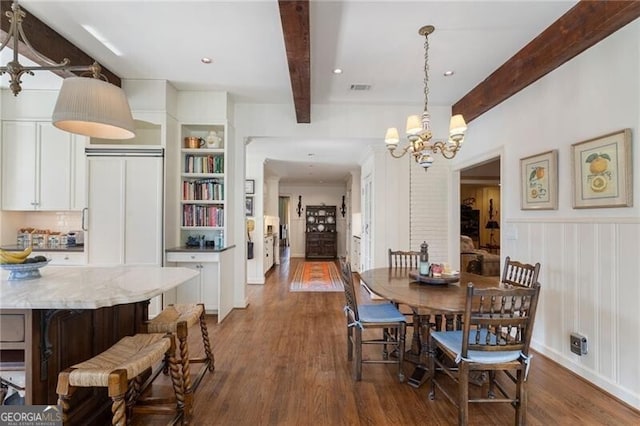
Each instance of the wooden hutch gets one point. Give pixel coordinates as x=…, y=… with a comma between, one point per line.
x=321, y=234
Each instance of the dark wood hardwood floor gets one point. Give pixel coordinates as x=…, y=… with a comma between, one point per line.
x=282, y=361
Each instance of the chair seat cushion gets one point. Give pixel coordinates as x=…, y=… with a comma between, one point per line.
x=452, y=340
x=382, y=312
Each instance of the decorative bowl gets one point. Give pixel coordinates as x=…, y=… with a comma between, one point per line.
x=24, y=271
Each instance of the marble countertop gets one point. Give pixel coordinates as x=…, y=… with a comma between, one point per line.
x=90, y=287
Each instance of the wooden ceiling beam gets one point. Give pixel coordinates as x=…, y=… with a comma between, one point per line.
x=584, y=25
x=49, y=44
x=295, y=28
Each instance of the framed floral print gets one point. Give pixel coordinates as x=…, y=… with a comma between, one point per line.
x=539, y=181
x=602, y=171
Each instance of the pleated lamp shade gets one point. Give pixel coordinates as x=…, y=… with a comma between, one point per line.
x=92, y=107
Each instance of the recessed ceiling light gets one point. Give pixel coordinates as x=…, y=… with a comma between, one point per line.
x=337, y=71
x=205, y=60
x=449, y=73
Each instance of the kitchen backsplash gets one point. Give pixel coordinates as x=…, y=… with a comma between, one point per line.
x=54, y=221
x=64, y=221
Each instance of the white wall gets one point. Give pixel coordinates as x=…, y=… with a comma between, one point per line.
x=589, y=257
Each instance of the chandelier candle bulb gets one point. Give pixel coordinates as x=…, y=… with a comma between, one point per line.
x=392, y=137
x=457, y=127
x=414, y=125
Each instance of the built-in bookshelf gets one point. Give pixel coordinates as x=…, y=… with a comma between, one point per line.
x=203, y=184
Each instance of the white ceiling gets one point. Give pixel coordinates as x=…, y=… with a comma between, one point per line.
x=374, y=42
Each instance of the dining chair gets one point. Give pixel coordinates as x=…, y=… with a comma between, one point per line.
x=360, y=317
x=519, y=274
x=495, y=336
x=404, y=259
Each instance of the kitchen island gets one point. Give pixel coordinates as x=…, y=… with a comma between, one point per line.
x=71, y=314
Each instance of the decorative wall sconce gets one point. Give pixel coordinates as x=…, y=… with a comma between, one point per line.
x=343, y=207
x=299, y=210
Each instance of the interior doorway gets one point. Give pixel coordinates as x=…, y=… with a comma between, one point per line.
x=480, y=202
x=284, y=204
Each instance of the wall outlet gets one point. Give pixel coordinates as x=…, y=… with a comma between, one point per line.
x=578, y=344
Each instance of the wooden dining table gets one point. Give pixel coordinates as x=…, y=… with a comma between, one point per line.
x=437, y=306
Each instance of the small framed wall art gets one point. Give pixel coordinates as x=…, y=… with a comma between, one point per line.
x=248, y=206
x=602, y=171
x=539, y=181
x=249, y=186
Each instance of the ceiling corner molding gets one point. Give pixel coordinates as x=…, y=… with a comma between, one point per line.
x=294, y=16
x=584, y=25
x=50, y=44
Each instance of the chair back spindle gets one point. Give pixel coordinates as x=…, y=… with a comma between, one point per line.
x=519, y=274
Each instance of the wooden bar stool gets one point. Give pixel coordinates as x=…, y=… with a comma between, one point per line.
x=178, y=319
x=120, y=369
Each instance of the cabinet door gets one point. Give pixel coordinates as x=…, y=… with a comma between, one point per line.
x=143, y=211
x=54, y=191
x=106, y=210
x=18, y=165
x=209, y=277
x=190, y=292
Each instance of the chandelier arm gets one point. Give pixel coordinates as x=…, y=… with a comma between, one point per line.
x=21, y=16
x=402, y=153
x=9, y=15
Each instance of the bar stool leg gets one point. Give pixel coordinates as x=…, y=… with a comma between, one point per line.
x=205, y=341
x=117, y=391
x=64, y=391
x=187, y=388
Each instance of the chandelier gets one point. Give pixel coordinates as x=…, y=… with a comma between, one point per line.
x=89, y=106
x=419, y=128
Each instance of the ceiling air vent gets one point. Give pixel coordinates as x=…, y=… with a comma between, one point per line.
x=360, y=87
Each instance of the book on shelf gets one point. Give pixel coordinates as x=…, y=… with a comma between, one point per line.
x=203, y=190
x=203, y=163
x=199, y=215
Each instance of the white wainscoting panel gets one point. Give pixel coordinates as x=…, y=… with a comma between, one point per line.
x=590, y=279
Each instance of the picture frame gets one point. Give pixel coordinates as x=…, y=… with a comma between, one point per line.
x=539, y=181
x=249, y=186
x=248, y=206
x=602, y=171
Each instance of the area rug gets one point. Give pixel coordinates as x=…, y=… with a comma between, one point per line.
x=316, y=276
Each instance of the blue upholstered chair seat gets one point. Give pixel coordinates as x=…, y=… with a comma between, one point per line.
x=452, y=340
x=383, y=312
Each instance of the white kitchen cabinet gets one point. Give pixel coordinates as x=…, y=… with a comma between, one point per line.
x=268, y=253
x=64, y=258
x=40, y=167
x=125, y=209
x=202, y=289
